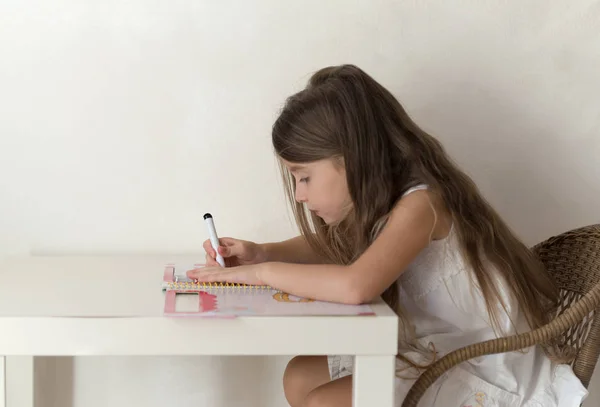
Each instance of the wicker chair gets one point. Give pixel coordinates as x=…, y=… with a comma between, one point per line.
x=573, y=259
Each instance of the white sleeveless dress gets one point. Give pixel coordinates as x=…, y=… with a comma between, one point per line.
x=446, y=310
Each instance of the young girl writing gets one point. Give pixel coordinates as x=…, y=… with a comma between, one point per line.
x=384, y=212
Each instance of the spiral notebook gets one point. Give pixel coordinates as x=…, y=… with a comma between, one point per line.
x=186, y=298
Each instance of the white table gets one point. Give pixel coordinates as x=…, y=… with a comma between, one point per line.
x=74, y=306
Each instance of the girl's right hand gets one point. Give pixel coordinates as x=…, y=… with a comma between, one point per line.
x=235, y=252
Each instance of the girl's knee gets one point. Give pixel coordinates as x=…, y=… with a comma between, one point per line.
x=303, y=374
x=337, y=393
x=294, y=381
x=317, y=398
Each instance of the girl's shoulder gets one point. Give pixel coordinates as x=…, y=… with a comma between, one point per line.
x=421, y=194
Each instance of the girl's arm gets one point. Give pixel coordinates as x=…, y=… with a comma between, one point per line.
x=408, y=230
x=294, y=250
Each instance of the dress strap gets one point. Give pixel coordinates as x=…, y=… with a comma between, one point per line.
x=435, y=217
x=415, y=188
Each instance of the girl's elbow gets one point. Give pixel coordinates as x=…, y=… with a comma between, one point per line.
x=357, y=294
x=355, y=300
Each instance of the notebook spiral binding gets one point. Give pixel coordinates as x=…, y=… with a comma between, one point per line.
x=187, y=285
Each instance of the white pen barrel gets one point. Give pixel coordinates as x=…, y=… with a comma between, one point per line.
x=214, y=240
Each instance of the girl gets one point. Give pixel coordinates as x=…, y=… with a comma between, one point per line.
x=384, y=212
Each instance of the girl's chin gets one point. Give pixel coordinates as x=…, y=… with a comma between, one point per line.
x=327, y=219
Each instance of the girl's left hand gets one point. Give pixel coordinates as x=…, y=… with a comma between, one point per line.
x=240, y=274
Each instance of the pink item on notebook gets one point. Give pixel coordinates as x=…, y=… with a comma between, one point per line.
x=206, y=303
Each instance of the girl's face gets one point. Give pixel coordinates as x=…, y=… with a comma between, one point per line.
x=322, y=186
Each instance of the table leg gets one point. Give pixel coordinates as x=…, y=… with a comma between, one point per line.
x=373, y=381
x=17, y=381
x=2, y=382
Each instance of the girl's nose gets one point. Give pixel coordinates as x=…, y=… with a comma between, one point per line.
x=300, y=195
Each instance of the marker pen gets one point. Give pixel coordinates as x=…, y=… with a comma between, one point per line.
x=214, y=240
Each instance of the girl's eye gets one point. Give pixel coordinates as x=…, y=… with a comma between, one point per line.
x=305, y=179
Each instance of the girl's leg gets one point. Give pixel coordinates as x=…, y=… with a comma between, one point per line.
x=337, y=393
x=302, y=375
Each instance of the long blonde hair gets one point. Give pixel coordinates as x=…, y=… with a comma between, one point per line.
x=345, y=113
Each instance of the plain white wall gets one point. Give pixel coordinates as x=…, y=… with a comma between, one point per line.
x=121, y=123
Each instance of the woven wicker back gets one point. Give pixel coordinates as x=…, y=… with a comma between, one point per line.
x=573, y=259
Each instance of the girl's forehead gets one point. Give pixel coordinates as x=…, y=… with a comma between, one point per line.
x=319, y=165
x=294, y=166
